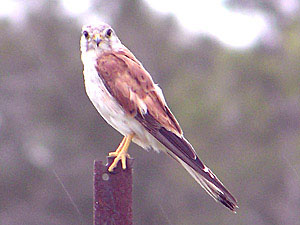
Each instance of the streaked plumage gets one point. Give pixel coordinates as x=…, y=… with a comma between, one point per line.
x=124, y=94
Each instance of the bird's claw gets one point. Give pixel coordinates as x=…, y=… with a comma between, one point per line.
x=122, y=155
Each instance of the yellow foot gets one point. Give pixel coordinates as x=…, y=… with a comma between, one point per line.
x=121, y=156
x=121, y=153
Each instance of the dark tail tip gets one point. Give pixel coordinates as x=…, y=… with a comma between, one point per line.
x=230, y=204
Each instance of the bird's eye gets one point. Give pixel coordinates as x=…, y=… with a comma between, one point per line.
x=108, y=33
x=86, y=34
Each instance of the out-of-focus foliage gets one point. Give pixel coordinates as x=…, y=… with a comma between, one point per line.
x=239, y=109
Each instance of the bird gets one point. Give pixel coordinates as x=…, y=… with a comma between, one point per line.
x=125, y=95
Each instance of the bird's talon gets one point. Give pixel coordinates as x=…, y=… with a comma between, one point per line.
x=113, y=154
x=119, y=156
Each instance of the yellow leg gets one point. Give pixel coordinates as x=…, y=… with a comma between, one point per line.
x=121, y=153
x=115, y=153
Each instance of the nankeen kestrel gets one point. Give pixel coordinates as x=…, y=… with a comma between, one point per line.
x=125, y=95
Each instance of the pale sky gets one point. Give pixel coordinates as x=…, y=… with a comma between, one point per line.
x=235, y=29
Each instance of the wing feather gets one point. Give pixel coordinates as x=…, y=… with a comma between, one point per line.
x=132, y=86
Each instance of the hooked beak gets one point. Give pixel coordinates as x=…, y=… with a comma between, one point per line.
x=97, y=39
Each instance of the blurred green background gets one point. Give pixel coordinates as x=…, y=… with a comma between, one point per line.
x=238, y=105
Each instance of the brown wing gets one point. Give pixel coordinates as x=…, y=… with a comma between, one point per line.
x=132, y=86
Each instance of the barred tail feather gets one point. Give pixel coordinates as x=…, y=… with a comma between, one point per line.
x=182, y=151
x=216, y=193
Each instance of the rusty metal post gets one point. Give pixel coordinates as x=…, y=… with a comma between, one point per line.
x=112, y=194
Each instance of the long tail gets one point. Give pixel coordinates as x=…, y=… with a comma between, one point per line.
x=219, y=193
x=181, y=150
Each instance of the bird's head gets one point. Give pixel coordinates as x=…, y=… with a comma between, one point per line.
x=99, y=38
